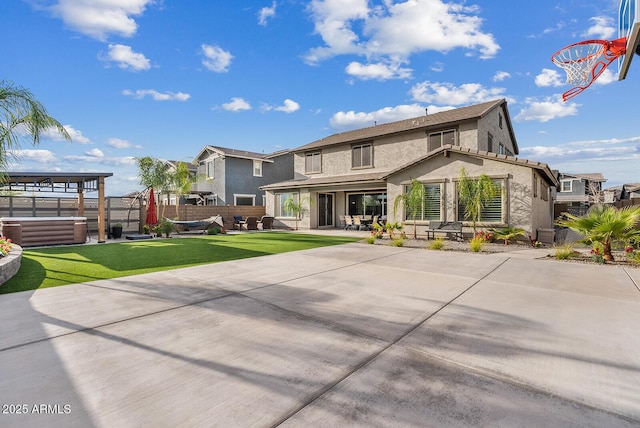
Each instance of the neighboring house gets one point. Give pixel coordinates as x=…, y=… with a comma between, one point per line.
x=361, y=172
x=627, y=192
x=577, y=192
x=233, y=177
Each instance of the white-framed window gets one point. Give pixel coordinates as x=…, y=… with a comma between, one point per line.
x=492, y=211
x=362, y=156
x=210, y=169
x=257, y=168
x=240, y=199
x=313, y=162
x=439, y=139
x=566, y=185
x=430, y=207
x=280, y=199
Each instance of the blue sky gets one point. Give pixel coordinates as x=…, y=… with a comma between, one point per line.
x=164, y=78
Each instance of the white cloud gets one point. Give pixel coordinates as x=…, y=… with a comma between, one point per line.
x=157, y=96
x=76, y=135
x=266, y=13
x=379, y=71
x=215, y=58
x=603, y=28
x=126, y=58
x=95, y=152
x=352, y=120
x=606, y=77
x=549, y=77
x=394, y=31
x=99, y=19
x=501, y=75
x=448, y=94
x=236, y=104
x=546, y=110
x=119, y=143
x=289, y=106
x=34, y=155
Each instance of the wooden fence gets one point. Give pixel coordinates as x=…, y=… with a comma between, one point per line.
x=124, y=210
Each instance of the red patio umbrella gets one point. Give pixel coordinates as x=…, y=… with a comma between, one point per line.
x=152, y=217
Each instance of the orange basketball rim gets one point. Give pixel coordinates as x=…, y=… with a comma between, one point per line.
x=585, y=61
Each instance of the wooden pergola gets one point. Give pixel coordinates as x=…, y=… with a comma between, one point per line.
x=62, y=182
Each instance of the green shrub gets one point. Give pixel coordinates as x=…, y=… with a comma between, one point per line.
x=564, y=251
x=213, y=231
x=371, y=239
x=437, y=244
x=397, y=242
x=633, y=257
x=476, y=243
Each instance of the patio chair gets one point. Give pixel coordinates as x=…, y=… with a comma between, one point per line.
x=237, y=220
x=266, y=222
x=348, y=223
x=251, y=223
x=357, y=223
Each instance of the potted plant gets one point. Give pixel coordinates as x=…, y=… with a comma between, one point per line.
x=116, y=230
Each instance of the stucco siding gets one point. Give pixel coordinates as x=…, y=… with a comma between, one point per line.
x=520, y=209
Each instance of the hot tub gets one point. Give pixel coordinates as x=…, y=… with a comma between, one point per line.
x=34, y=231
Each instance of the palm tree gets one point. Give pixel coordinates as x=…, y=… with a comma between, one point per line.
x=181, y=181
x=413, y=200
x=605, y=224
x=153, y=174
x=22, y=116
x=508, y=233
x=475, y=194
x=297, y=207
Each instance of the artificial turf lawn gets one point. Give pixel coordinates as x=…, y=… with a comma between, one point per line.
x=51, y=267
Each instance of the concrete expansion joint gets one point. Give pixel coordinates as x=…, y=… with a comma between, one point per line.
x=372, y=357
x=631, y=278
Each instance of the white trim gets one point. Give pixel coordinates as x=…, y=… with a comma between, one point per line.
x=240, y=195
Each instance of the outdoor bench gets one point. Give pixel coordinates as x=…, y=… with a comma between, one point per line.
x=449, y=227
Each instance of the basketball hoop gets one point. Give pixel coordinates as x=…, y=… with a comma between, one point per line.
x=585, y=61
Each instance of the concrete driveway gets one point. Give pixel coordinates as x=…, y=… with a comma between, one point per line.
x=354, y=335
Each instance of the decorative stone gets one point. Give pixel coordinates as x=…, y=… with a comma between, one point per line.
x=10, y=264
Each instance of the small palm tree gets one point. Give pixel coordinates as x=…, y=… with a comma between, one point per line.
x=508, y=233
x=22, y=115
x=475, y=194
x=413, y=200
x=605, y=224
x=298, y=208
x=181, y=181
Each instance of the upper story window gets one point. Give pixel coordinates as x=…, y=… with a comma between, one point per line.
x=362, y=156
x=489, y=142
x=210, y=169
x=500, y=121
x=257, y=168
x=313, y=162
x=501, y=148
x=566, y=185
x=439, y=139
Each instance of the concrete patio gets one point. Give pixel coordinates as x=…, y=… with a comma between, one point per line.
x=353, y=335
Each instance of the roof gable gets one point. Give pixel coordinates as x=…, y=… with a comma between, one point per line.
x=543, y=168
x=224, y=152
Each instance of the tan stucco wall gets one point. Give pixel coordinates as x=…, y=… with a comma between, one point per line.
x=490, y=124
x=519, y=208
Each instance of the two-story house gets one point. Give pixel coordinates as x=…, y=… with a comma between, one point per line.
x=361, y=172
x=234, y=177
x=577, y=192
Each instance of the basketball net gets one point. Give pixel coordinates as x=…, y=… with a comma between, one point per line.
x=585, y=61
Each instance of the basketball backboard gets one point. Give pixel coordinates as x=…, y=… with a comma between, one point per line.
x=629, y=27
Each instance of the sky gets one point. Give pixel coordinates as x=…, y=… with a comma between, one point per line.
x=165, y=78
